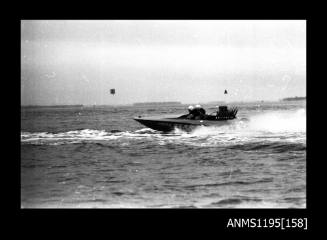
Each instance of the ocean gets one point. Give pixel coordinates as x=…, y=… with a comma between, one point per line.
x=99, y=157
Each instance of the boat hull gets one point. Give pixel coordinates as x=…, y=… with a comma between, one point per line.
x=169, y=124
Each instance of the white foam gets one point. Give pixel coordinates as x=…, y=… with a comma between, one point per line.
x=273, y=126
x=286, y=121
x=289, y=126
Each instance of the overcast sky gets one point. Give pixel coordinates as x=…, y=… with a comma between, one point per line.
x=78, y=62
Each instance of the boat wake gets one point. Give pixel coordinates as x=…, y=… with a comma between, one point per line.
x=268, y=127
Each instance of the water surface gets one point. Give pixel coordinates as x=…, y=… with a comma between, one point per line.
x=100, y=157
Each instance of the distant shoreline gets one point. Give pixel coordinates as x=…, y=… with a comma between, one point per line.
x=148, y=104
x=294, y=99
x=139, y=104
x=52, y=106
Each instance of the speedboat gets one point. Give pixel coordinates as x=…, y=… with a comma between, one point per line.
x=167, y=124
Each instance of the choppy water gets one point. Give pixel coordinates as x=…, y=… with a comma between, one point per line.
x=100, y=157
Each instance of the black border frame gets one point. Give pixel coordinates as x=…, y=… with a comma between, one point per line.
x=210, y=219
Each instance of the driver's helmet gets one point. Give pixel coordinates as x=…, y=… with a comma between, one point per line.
x=198, y=106
x=190, y=108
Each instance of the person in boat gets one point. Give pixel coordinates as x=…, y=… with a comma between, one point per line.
x=200, y=113
x=195, y=113
x=191, y=112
